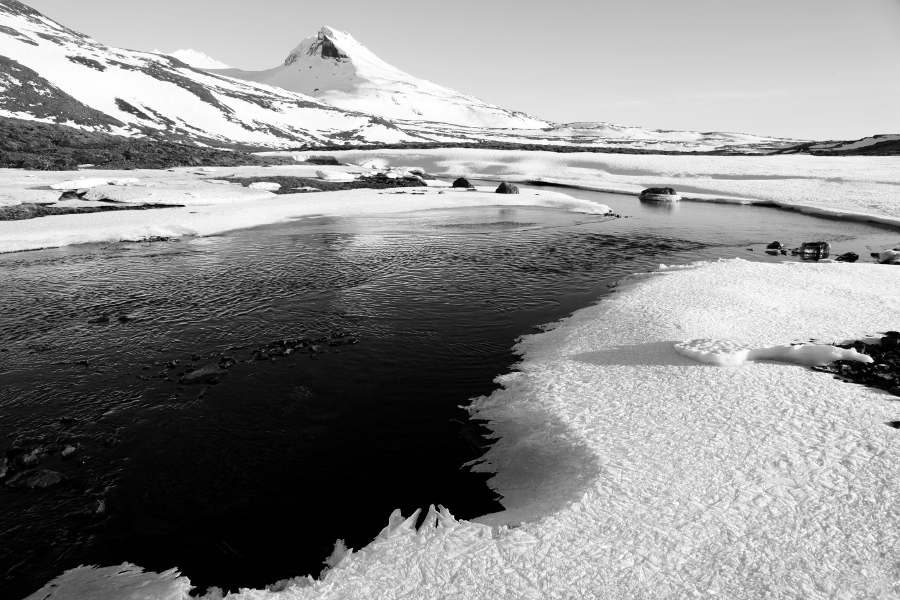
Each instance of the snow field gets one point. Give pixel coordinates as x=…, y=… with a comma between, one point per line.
x=640, y=473
x=860, y=188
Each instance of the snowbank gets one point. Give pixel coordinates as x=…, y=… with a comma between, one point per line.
x=860, y=188
x=638, y=473
x=212, y=208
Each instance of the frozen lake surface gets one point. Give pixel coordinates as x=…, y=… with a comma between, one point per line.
x=254, y=481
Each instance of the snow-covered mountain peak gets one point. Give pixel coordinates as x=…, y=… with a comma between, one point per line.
x=335, y=68
x=196, y=59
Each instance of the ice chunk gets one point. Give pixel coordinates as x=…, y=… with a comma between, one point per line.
x=375, y=163
x=79, y=184
x=114, y=583
x=269, y=186
x=889, y=257
x=729, y=353
x=338, y=176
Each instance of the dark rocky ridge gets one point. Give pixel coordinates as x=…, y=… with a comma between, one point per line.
x=21, y=212
x=288, y=184
x=883, y=373
x=51, y=147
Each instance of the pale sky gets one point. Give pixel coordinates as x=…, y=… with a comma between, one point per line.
x=812, y=69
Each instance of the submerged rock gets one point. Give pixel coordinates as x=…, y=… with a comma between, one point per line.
x=34, y=480
x=507, y=188
x=207, y=374
x=462, y=182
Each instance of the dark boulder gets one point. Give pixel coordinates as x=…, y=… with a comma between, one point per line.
x=775, y=246
x=462, y=182
x=848, y=257
x=659, y=191
x=207, y=374
x=35, y=480
x=507, y=188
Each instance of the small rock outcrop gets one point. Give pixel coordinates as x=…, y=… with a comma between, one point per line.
x=847, y=257
x=462, y=182
x=207, y=374
x=507, y=188
x=775, y=246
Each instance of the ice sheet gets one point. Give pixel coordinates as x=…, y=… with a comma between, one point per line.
x=212, y=208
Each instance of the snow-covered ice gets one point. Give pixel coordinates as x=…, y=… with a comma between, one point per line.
x=633, y=472
x=853, y=187
x=728, y=353
x=212, y=206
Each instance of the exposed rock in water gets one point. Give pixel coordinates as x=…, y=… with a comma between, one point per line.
x=775, y=246
x=659, y=191
x=462, y=182
x=507, y=188
x=207, y=374
x=34, y=480
x=848, y=257
x=815, y=250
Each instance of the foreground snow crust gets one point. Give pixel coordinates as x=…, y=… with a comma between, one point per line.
x=211, y=205
x=852, y=187
x=635, y=472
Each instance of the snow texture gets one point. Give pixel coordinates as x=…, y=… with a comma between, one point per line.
x=728, y=353
x=633, y=472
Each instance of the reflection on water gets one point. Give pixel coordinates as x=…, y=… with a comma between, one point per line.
x=660, y=205
x=252, y=480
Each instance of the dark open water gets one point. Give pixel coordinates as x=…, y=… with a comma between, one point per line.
x=255, y=480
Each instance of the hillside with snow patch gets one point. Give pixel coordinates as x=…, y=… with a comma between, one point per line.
x=53, y=74
x=196, y=59
x=330, y=91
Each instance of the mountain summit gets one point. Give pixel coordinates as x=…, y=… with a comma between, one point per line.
x=335, y=68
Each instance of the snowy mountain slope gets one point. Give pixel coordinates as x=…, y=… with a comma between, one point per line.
x=196, y=59
x=335, y=68
x=53, y=74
